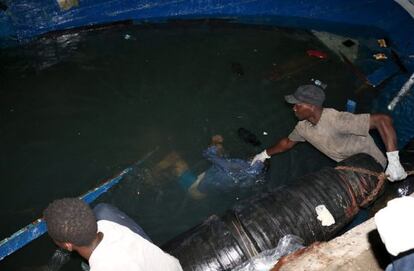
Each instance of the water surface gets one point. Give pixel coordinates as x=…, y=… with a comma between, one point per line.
x=78, y=108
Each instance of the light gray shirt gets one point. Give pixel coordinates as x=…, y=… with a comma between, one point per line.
x=339, y=135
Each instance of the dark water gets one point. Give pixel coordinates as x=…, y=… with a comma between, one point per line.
x=78, y=108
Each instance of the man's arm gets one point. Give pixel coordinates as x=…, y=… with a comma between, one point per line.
x=282, y=145
x=383, y=124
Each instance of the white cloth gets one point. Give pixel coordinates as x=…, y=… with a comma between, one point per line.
x=123, y=250
x=395, y=224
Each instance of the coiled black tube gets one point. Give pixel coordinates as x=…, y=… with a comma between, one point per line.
x=257, y=224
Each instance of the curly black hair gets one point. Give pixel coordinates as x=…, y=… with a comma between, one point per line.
x=71, y=220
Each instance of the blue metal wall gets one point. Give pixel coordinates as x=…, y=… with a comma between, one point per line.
x=25, y=19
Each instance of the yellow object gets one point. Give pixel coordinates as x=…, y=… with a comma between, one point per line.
x=380, y=56
x=67, y=4
x=382, y=43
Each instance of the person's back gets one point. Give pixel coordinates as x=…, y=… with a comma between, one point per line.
x=122, y=249
x=107, y=245
x=339, y=135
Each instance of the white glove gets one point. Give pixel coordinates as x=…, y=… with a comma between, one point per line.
x=394, y=171
x=260, y=157
x=395, y=225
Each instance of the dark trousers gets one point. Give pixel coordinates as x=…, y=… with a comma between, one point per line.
x=104, y=211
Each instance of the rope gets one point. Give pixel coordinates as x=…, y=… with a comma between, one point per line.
x=381, y=176
x=367, y=171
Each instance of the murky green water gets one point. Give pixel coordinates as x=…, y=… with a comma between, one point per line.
x=78, y=108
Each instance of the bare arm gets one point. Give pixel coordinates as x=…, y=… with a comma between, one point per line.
x=383, y=123
x=282, y=145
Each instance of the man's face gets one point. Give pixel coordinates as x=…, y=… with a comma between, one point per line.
x=302, y=111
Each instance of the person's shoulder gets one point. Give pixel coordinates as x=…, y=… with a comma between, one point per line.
x=331, y=111
x=336, y=114
x=106, y=225
x=300, y=124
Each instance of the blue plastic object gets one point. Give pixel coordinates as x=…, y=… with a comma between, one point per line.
x=227, y=173
x=350, y=106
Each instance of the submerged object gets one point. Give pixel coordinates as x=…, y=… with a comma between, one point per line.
x=228, y=173
x=237, y=68
x=319, y=83
x=382, y=43
x=380, y=56
x=257, y=224
x=316, y=53
x=248, y=137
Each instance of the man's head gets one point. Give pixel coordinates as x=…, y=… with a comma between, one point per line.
x=307, y=102
x=70, y=221
x=307, y=94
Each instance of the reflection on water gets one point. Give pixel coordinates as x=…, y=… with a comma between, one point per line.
x=78, y=108
x=44, y=53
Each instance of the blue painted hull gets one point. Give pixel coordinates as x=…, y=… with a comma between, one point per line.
x=38, y=227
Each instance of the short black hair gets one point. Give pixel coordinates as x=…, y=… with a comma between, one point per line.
x=71, y=220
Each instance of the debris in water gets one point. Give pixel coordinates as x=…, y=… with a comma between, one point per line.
x=319, y=83
x=348, y=43
x=248, y=137
x=382, y=43
x=380, y=56
x=317, y=54
x=237, y=68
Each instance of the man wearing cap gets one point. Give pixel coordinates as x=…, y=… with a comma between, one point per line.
x=338, y=135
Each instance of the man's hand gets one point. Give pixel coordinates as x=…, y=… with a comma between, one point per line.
x=260, y=157
x=394, y=171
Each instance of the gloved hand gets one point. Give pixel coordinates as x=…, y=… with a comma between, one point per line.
x=260, y=157
x=394, y=171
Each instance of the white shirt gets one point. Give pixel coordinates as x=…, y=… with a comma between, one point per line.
x=123, y=250
x=395, y=224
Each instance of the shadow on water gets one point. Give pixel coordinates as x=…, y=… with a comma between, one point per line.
x=80, y=107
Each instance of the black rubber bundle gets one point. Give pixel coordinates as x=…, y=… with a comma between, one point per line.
x=258, y=223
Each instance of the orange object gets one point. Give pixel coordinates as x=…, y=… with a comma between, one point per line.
x=382, y=43
x=316, y=53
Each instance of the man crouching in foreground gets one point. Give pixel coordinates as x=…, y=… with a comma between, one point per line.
x=105, y=244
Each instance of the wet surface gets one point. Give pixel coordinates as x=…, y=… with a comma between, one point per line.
x=78, y=108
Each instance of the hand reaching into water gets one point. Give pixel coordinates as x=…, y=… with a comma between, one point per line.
x=260, y=157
